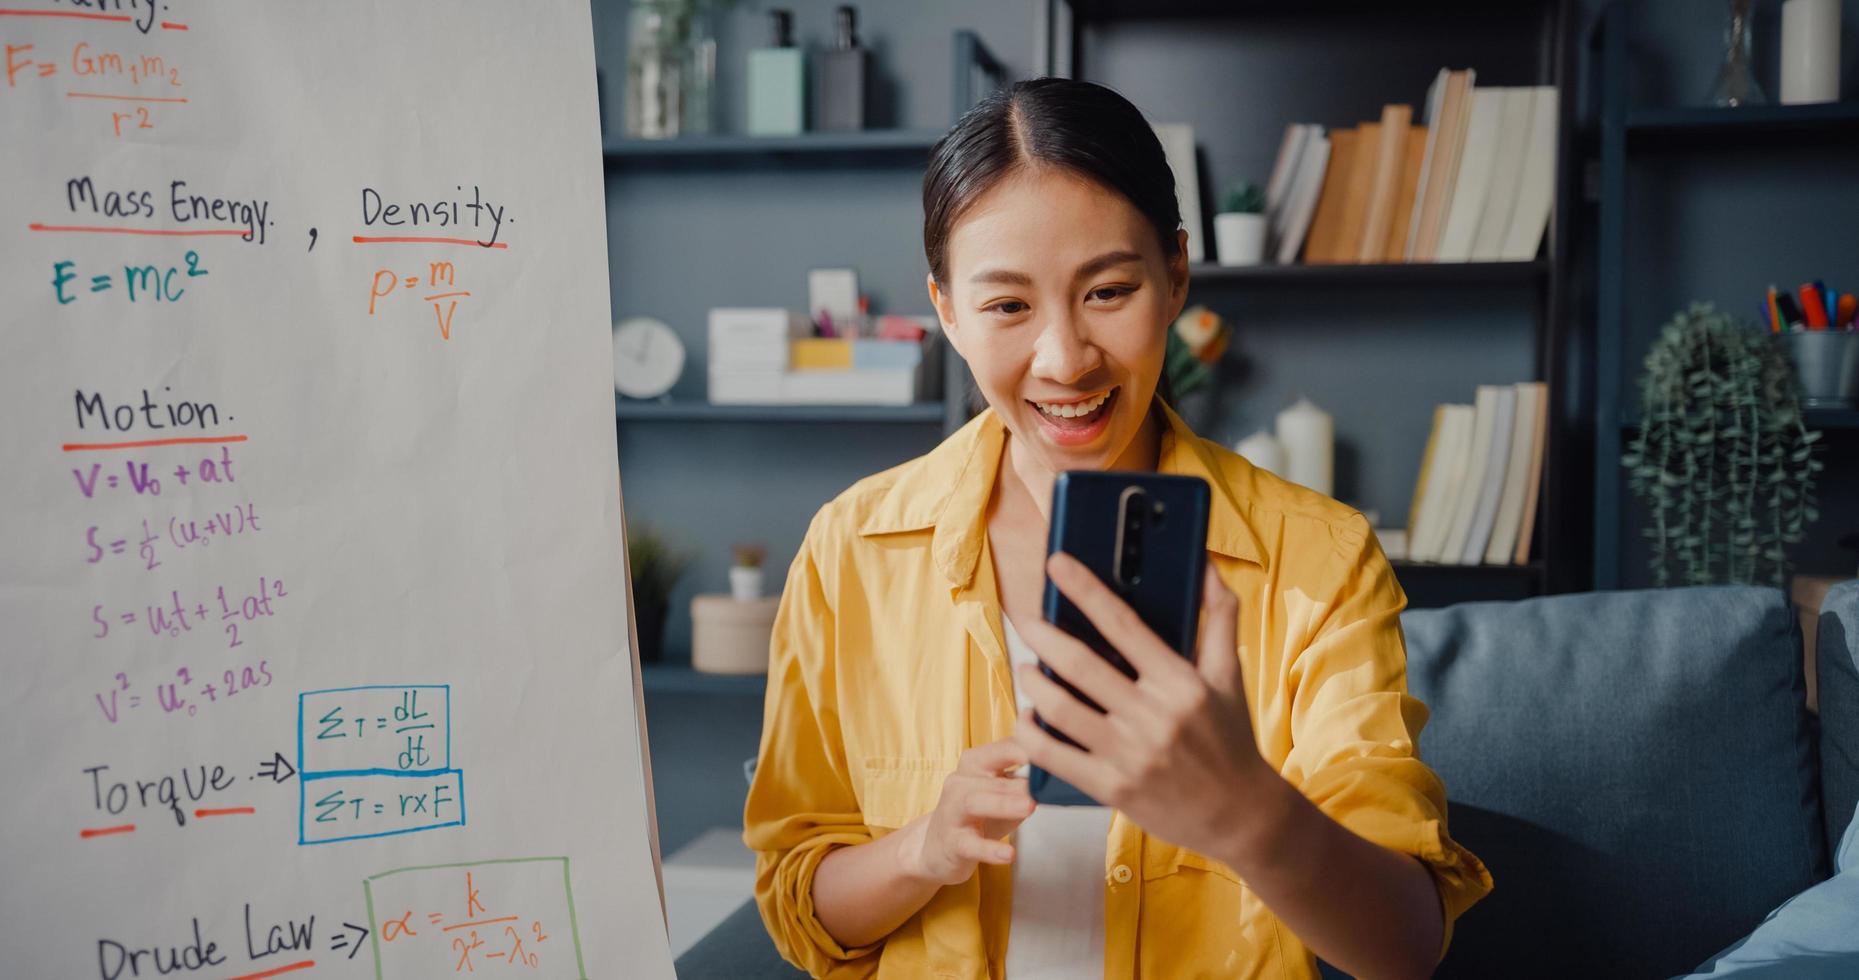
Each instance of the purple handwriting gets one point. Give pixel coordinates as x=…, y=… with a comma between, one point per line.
x=174, y=616
x=138, y=478
x=180, y=534
x=184, y=694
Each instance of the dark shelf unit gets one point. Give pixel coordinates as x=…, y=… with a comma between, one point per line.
x=876, y=147
x=921, y=413
x=1773, y=125
x=1560, y=559
x=1624, y=133
x=1416, y=274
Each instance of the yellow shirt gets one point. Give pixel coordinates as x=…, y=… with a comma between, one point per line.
x=888, y=661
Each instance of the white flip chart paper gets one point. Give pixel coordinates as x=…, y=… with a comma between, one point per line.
x=311, y=578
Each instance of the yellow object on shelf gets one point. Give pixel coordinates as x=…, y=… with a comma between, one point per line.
x=731, y=636
x=819, y=354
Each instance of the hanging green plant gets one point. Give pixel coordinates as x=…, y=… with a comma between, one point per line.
x=1723, y=459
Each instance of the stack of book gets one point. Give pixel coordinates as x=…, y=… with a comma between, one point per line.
x=769, y=357
x=1475, y=182
x=1475, y=497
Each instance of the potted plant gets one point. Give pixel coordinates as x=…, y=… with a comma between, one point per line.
x=656, y=567
x=1239, y=228
x=745, y=572
x=1723, y=459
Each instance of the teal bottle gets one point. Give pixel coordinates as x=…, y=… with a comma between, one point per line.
x=778, y=82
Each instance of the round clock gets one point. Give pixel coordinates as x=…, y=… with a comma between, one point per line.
x=647, y=357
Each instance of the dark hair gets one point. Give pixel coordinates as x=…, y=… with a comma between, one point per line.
x=1081, y=127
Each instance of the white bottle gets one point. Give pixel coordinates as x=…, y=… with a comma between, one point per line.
x=1263, y=451
x=1308, y=436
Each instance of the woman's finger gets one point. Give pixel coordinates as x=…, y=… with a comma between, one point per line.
x=1114, y=619
x=1217, y=652
x=993, y=758
x=1081, y=667
x=1062, y=711
x=994, y=805
x=971, y=846
x=1075, y=766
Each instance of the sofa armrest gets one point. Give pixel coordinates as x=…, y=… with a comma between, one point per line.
x=1837, y=667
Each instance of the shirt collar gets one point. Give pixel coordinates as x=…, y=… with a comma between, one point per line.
x=949, y=489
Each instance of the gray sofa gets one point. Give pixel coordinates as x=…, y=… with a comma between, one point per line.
x=1638, y=769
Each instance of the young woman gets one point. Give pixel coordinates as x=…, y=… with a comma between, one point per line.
x=1265, y=802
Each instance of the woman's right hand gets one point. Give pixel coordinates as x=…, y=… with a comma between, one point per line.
x=979, y=805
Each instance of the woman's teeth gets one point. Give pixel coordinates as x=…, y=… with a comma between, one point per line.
x=1072, y=410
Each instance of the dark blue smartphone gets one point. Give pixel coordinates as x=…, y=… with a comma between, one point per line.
x=1145, y=536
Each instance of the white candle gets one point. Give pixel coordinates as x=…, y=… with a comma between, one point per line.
x=1262, y=451
x=1810, y=51
x=1307, y=434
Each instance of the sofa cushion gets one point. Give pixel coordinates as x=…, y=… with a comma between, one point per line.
x=1636, y=768
x=1810, y=937
x=1837, y=667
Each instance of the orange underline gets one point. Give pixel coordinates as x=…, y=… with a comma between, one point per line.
x=72, y=447
x=119, y=98
x=360, y=240
x=480, y=922
x=262, y=974
x=168, y=25
x=171, y=232
x=225, y=811
x=444, y=295
x=101, y=831
x=122, y=18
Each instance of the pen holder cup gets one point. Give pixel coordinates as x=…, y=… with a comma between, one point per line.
x=1827, y=362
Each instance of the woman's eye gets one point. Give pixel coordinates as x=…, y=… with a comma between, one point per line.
x=1109, y=294
x=1008, y=307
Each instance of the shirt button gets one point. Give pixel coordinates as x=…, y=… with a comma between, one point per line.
x=1400, y=745
x=1121, y=874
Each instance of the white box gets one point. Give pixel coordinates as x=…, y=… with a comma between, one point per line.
x=869, y=386
x=748, y=387
x=754, y=337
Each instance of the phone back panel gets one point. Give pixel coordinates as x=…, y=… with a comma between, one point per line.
x=1165, y=589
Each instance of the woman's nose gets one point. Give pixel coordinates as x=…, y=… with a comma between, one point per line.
x=1063, y=353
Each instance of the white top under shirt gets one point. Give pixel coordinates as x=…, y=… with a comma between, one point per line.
x=1057, y=929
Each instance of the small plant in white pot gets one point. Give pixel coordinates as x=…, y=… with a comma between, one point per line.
x=1239, y=228
x=745, y=572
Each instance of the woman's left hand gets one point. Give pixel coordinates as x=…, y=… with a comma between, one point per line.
x=1174, y=749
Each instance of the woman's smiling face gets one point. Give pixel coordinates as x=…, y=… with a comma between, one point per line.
x=1059, y=298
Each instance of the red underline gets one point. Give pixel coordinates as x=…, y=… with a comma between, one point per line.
x=72, y=447
x=121, y=18
x=262, y=974
x=360, y=240
x=166, y=25
x=119, y=98
x=170, y=232
x=480, y=922
x=225, y=811
x=89, y=832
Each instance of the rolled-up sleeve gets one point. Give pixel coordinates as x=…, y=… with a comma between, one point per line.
x=801, y=803
x=1355, y=729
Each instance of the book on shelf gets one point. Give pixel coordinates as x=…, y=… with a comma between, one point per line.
x=1324, y=244
x=1407, y=191
x=1477, y=161
x=1384, y=183
x=1478, y=458
x=1472, y=181
x=1447, y=102
x=1446, y=474
x=1475, y=493
x=1300, y=204
x=1177, y=141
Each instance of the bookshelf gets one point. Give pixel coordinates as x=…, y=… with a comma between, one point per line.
x=876, y=147
x=1703, y=203
x=1377, y=345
